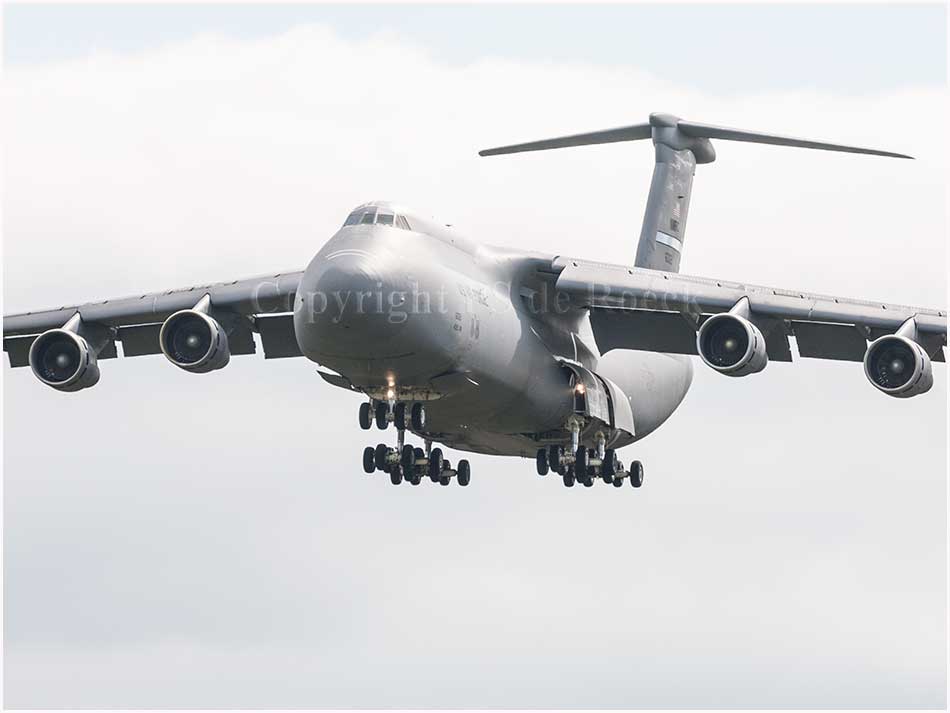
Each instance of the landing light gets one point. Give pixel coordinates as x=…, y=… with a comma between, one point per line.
x=579, y=388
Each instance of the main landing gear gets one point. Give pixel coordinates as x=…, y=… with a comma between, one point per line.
x=579, y=464
x=585, y=465
x=406, y=463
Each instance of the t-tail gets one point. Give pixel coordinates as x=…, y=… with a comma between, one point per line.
x=679, y=145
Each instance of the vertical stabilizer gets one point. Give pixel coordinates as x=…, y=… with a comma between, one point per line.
x=664, y=221
x=680, y=145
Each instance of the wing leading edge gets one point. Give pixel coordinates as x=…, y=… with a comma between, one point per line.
x=259, y=304
x=636, y=308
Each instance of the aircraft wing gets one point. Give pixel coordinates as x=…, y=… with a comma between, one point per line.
x=260, y=304
x=651, y=310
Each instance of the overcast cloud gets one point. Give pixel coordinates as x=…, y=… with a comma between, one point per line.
x=211, y=541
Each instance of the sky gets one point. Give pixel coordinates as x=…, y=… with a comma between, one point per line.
x=176, y=540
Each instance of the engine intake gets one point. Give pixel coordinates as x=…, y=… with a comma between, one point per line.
x=898, y=366
x=62, y=359
x=194, y=341
x=731, y=345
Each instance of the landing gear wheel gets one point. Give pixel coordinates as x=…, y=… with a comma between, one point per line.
x=464, y=472
x=399, y=416
x=366, y=415
x=609, y=467
x=444, y=480
x=542, y=461
x=416, y=479
x=418, y=416
x=379, y=456
x=636, y=474
x=580, y=464
x=587, y=481
x=395, y=475
x=617, y=482
x=435, y=464
x=554, y=459
x=569, y=479
x=369, y=459
x=382, y=410
x=408, y=460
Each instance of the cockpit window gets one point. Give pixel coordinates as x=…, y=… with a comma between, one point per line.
x=370, y=216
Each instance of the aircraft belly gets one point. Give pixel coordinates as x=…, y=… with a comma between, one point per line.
x=655, y=384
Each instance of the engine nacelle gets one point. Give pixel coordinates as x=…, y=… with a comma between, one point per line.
x=898, y=366
x=731, y=345
x=62, y=359
x=194, y=341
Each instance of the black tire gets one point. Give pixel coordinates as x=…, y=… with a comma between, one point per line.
x=369, y=459
x=636, y=474
x=399, y=416
x=416, y=479
x=444, y=480
x=580, y=463
x=587, y=481
x=464, y=473
x=379, y=456
x=542, y=461
x=408, y=460
x=435, y=463
x=569, y=479
x=617, y=482
x=610, y=463
x=418, y=416
x=366, y=415
x=554, y=459
x=395, y=475
x=382, y=409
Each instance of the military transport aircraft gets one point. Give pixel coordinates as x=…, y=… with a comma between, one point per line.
x=498, y=350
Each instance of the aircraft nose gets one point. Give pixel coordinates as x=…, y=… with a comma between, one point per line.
x=350, y=308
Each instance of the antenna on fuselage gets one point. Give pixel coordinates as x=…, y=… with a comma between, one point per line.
x=680, y=145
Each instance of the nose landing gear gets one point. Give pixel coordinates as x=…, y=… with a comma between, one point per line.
x=398, y=413
x=406, y=462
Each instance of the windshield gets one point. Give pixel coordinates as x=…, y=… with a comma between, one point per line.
x=373, y=216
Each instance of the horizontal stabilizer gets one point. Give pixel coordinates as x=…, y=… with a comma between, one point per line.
x=607, y=136
x=708, y=131
x=664, y=128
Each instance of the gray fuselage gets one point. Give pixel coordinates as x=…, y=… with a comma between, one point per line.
x=469, y=330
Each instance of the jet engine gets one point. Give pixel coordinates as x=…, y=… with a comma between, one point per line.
x=62, y=359
x=194, y=341
x=898, y=366
x=731, y=345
